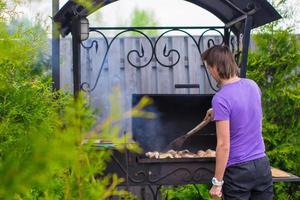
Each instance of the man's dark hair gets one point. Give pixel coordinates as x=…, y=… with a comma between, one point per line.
x=222, y=58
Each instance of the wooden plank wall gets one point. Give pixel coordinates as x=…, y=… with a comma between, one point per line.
x=152, y=79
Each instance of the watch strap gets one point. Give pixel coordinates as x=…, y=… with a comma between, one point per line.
x=215, y=182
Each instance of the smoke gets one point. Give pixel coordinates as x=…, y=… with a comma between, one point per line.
x=175, y=116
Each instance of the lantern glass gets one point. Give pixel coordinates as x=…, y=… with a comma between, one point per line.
x=84, y=29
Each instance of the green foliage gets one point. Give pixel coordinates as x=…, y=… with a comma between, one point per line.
x=42, y=154
x=52, y=163
x=275, y=67
x=38, y=35
x=191, y=192
x=143, y=18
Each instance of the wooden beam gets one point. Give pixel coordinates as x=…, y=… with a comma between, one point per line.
x=55, y=48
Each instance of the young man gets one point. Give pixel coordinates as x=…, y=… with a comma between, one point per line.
x=242, y=169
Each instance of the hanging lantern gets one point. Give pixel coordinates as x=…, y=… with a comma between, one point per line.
x=84, y=28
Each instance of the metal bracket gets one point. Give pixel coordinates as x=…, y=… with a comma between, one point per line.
x=241, y=18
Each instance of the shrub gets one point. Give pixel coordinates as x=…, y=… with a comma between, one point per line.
x=275, y=67
x=41, y=132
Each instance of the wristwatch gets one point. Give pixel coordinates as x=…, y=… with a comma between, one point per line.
x=215, y=182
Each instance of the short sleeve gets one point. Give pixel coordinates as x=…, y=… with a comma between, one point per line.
x=220, y=108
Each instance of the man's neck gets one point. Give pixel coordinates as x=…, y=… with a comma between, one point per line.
x=231, y=80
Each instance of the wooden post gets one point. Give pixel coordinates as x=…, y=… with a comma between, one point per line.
x=76, y=54
x=246, y=41
x=55, y=49
x=227, y=37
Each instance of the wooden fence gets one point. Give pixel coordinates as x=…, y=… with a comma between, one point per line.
x=152, y=79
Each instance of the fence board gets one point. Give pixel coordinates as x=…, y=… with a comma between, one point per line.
x=114, y=64
x=164, y=74
x=66, y=72
x=152, y=79
x=204, y=46
x=180, y=69
x=122, y=84
x=85, y=62
x=130, y=76
x=146, y=74
x=194, y=63
x=99, y=97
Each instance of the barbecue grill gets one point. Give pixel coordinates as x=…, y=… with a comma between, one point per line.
x=175, y=115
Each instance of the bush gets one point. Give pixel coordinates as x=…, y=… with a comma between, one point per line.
x=191, y=192
x=41, y=132
x=275, y=67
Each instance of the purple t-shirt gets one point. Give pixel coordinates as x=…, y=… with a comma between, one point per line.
x=240, y=103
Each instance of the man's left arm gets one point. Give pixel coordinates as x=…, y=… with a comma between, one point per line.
x=222, y=154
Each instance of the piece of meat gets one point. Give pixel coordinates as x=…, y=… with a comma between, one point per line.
x=177, y=156
x=210, y=153
x=201, y=153
x=148, y=154
x=189, y=155
x=154, y=154
x=165, y=155
x=183, y=152
x=172, y=152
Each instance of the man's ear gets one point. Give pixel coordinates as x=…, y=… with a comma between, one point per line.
x=215, y=73
x=214, y=69
x=211, y=67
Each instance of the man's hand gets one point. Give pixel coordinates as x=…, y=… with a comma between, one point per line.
x=215, y=192
x=209, y=115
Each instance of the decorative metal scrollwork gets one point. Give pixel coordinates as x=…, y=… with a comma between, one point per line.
x=187, y=175
x=153, y=51
x=143, y=175
x=210, y=41
x=154, y=193
x=234, y=44
x=198, y=173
